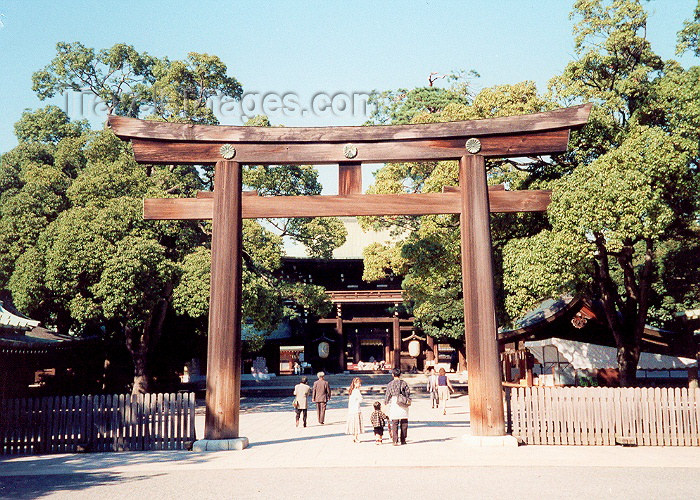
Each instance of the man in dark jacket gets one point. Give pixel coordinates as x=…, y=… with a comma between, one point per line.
x=398, y=397
x=320, y=395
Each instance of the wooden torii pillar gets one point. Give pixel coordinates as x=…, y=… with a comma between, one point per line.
x=469, y=142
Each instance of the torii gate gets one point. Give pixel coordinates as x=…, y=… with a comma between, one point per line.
x=229, y=147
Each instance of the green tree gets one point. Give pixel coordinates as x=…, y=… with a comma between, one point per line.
x=98, y=263
x=181, y=88
x=632, y=193
x=427, y=250
x=401, y=106
x=689, y=36
x=36, y=199
x=120, y=75
x=623, y=223
x=76, y=252
x=49, y=124
x=133, y=83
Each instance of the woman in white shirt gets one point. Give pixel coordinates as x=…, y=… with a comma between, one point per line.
x=354, y=425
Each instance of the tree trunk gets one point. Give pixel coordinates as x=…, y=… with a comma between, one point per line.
x=140, y=344
x=142, y=379
x=63, y=323
x=627, y=360
x=625, y=315
x=137, y=345
x=693, y=377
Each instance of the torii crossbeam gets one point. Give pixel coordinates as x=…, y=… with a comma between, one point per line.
x=469, y=142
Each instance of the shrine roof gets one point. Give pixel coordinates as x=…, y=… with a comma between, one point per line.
x=557, y=318
x=10, y=319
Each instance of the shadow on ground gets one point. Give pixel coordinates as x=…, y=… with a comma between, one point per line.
x=258, y=404
x=37, y=486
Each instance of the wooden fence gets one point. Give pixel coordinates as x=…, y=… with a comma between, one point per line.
x=69, y=424
x=606, y=416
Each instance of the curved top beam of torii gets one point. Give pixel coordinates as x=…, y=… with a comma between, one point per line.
x=533, y=134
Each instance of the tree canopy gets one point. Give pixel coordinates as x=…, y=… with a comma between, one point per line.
x=633, y=193
x=622, y=228
x=427, y=251
x=76, y=252
x=136, y=84
x=625, y=197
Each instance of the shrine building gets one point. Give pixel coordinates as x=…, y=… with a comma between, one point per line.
x=369, y=327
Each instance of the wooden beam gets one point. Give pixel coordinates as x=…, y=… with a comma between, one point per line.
x=210, y=194
x=224, y=339
x=371, y=319
x=566, y=118
x=455, y=189
x=261, y=207
x=483, y=364
x=178, y=208
x=362, y=296
x=323, y=153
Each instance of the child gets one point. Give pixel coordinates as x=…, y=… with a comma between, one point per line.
x=378, y=419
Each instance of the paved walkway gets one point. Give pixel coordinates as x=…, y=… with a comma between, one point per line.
x=287, y=461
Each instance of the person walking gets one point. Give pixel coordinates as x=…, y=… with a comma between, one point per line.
x=320, y=395
x=398, y=397
x=301, y=399
x=444, y=389
x=432, y=387
x=354, y=425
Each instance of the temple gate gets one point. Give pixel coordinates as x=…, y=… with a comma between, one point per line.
x=469, y=142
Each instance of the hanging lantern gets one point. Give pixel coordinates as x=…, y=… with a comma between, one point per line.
x=324, y=349
x=414, y=348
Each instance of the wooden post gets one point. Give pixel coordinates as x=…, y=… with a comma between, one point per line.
x=349, y=178
x=396, y=340
x=485, y=390
x=529, y=379
x=224, y=343
x=461, y=360
x=523, y=368
x=693, y=377
x=693, y=372
x=694, y=348
x=430, y=350
x=339, y=332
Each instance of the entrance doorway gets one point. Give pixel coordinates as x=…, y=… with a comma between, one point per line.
x=368, y=348
x=371, y=350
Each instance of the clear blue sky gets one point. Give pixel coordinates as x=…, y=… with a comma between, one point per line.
x=310, y=47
